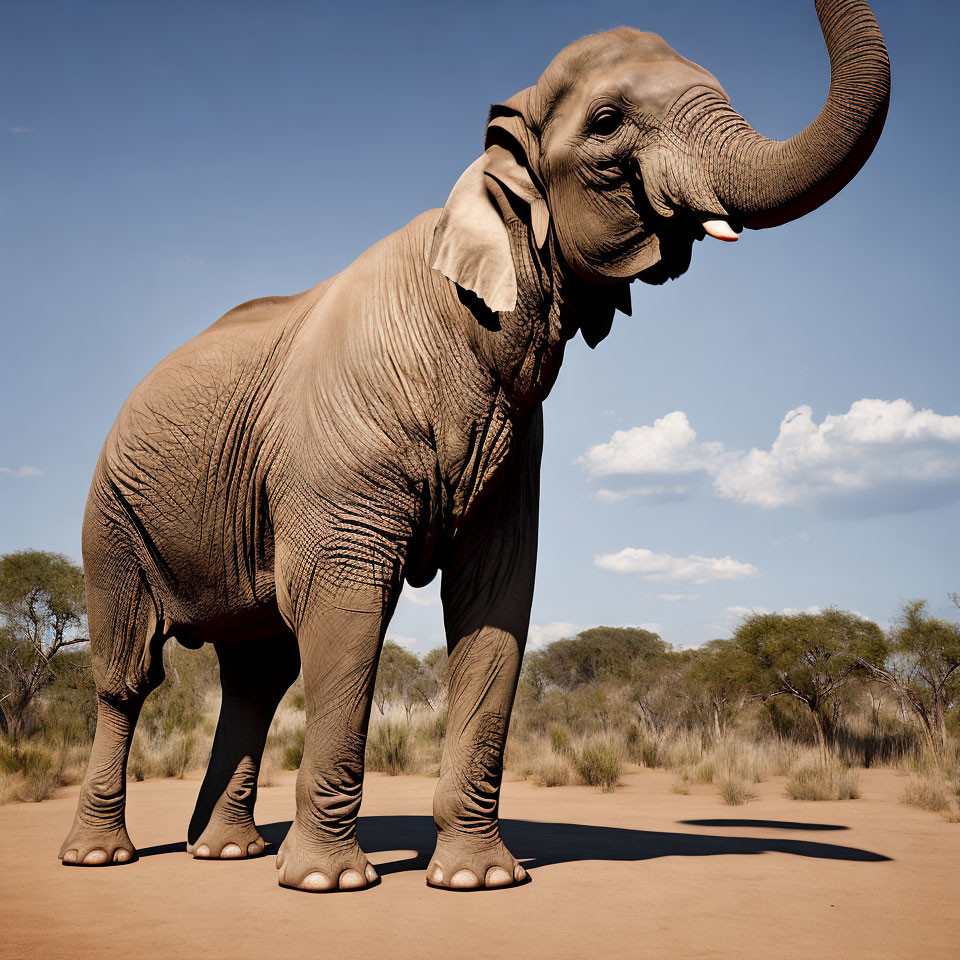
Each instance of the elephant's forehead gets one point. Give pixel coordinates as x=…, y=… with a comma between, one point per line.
x=624, y=64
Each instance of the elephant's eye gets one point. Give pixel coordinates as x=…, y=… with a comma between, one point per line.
x=606, y=122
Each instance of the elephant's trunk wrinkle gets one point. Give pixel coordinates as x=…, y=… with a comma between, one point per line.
x=766, y=182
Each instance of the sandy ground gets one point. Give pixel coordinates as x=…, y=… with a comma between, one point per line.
x=638, y=873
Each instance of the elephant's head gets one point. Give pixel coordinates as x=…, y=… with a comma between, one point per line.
x=629, y=153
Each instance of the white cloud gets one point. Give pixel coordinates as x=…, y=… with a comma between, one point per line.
x=878, y=449
x=20, y=129
x=879, y=457
x=663, y=568
x=428, y=596
x=677, y=597
x=658, y=490
x=21, y=471
x=542, y=634
x=669, y=446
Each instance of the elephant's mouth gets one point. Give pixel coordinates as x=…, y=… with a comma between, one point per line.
x=660, y=247
x=666, y=243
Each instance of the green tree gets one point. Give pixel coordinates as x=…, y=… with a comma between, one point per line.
x=600, y=654
x=717, y=679
x=809, y=657
x=922, y=667
x=397, y=677
x=42, y=610
x=431, y=684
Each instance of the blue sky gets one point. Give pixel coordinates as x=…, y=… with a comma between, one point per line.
x=162, y=162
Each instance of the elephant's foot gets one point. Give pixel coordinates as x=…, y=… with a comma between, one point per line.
x=88, y=846
x=323, y=867
x=463, y=863
x=222, y=840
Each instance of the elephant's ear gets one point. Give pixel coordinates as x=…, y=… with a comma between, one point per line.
x=471, y=245
x=514, y=152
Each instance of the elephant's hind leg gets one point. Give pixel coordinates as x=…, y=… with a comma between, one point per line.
x=254, y=675
x=125, y=646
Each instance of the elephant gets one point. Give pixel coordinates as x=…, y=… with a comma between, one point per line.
x=272, y=484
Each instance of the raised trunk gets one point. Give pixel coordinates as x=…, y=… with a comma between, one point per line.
x=764, y=183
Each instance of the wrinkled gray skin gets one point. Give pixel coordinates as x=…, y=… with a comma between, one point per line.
x=270, y=486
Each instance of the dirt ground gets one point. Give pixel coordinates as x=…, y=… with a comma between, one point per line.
x=638, y=873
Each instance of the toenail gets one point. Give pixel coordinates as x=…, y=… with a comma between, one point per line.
x=254, y=848
x=498, y=877
x=231, y=851
x=202, y=851
x=464, y=880
x=351, y=879
x=280, y=858
x=315, y=881
x=370, y=873
x=121, y=856
x=70, y=856
x=96, y=856
x=436, y=875
x=519, y=873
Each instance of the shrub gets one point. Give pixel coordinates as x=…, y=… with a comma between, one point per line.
x=819, y=782
x=929, y=793
x=554, y=772
x=31, y=773
x=38, y=785
x=292, y=755
x=560, y=741
x=24, y=759
x=598, y=765
x=433, y=729
x=644, y=749
x=680, y=785
x=734, y=791
x=387, y=748
x=156, y=755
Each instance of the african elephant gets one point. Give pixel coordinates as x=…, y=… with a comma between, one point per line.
x=271, y=485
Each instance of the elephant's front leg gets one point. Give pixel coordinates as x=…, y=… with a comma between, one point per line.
x=470, y=854
x=487, y=592
x=339, y=634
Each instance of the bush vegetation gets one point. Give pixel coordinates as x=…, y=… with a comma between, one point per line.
x=810, y=698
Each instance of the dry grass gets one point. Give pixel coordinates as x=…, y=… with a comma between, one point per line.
x=680, y=785
x=597, y=764
x=284, y=749
x=388, y=748
x=406, y=741
x=829, y=781
x=935, y=793
x=162, y=756
x=734, y=791
x=31, y=773
x=554, y=772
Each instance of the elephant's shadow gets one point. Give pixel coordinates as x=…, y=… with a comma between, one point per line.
x=538, y=844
